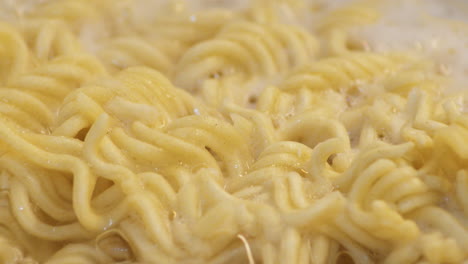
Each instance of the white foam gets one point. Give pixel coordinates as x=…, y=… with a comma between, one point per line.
x=12, y=10
x=436, y=29
x=230, y=4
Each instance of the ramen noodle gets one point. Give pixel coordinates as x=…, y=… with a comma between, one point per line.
x=267, y=131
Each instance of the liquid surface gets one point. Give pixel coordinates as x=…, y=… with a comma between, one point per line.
x=210, y=131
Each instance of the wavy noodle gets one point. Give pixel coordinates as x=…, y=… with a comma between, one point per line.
x=159, y=132
x=283, y=11
x=82, y=107
x=227, y=56
x=126, y=52
x=49, y=39
x=15, y=54
x=69, y=10
x=78, y=253
x=335, y=25
x=342, y=72
x=30, y=99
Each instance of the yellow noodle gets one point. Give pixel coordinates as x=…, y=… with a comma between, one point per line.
x=162, y=132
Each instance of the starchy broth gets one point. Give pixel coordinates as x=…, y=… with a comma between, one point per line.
x=215, y=131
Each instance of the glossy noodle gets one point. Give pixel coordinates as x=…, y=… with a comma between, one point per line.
x=269, y=131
